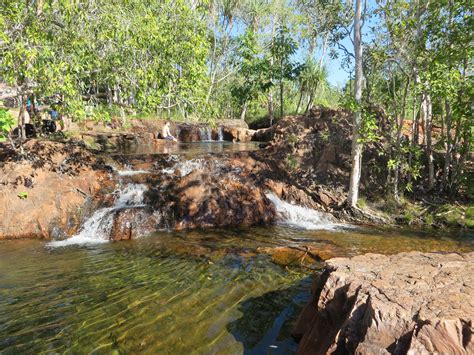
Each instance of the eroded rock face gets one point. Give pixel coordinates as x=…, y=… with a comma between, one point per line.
x=415, y=303
x=45, y=195
x=131, y=223
x=209, y=192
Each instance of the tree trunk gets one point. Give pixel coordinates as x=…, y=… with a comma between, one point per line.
x=398, y=146
x=39, y=7
x=447, y=157
x=281, y=98
x=270, y=92
x=310, y=102
x=324, y=49
x=427, y=116
x=356, y=151
x=244, y=111
x=414, y=138
x=299, y=102
x=270, y=107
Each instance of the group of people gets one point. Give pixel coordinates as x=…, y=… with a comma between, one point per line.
x=53, y=114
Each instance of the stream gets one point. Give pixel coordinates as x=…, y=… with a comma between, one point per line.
x=198, y=291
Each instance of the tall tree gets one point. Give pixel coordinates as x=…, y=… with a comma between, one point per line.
x=356, y=150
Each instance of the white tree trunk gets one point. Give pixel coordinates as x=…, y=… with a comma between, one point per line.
x=356, y=153
x=243, y=112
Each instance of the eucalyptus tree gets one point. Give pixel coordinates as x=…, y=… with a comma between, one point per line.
x=356, y=150
x=321, y=24
x=423, y=47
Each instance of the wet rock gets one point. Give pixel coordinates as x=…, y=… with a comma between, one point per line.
x=411, y=303
x=296, y=255
x=203, y=199
x=264, y=134
x=188, y=133
x=131, y=223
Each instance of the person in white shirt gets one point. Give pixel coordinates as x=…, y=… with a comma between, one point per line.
x=166, y=134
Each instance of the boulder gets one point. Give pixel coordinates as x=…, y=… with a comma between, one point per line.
x=204, y=199
x=415, y=303
x=131, y=223
x=236, y=134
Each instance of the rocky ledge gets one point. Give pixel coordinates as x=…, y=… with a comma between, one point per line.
x=415, y=303
x=45, y=193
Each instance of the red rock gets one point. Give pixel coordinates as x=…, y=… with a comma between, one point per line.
x=57, y=183
x=413, y=303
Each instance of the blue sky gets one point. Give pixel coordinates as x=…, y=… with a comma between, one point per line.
x=336, y=75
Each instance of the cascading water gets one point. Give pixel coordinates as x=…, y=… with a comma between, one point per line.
x=205, y=134
x=301, y=217
x=131, y=172
x=220, y=134
x=97, y=228
x=185, y=167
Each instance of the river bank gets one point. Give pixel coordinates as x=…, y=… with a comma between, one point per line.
x=58, y=185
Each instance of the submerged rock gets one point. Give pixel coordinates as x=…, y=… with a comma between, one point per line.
x=415, y=303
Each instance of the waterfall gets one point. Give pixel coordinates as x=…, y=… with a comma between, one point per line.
x=185, y=167
x=178, y=131
x=301, y=217
x=205, y=134
x=131, y=172
x=97, y=228
x=220, y=134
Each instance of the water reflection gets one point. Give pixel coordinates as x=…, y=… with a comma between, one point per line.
x=186, y=149
x=191, y=291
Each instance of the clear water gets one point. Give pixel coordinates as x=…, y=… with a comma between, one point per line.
x=186, y=149
x=181, y=292
x=199, y=292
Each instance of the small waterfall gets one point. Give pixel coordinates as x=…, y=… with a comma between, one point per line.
x=205, y=134
x=185, y=167
x=301, y=217
x=97, y=228
x=131, y=172
x=178, y=132
x=220, y=134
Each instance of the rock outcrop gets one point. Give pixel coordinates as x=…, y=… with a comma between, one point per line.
x=415, y=303
x=114, y=135
x=44, y=194
x=211, y=191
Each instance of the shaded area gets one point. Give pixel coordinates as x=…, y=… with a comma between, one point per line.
x=267, y=320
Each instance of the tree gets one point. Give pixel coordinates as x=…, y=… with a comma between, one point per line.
x=282, y=49
x=254, y=71
x=310, y=78
x=356, y=151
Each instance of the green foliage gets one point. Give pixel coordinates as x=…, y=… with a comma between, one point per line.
x=148, y=54
x=23, y=195
x=291, y=162
x=6, y=123
x=254, y=70
x=292, y=139
x=369, y=127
